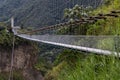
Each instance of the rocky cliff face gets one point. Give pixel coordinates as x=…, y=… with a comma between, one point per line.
x=24, y=58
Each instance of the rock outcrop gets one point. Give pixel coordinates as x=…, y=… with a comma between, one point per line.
x=25, y=57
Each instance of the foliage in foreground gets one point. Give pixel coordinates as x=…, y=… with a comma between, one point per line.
x=91, y=67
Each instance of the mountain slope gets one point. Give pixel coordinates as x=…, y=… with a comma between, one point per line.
x=111, y=26
x=37, y=13
x=73, y=65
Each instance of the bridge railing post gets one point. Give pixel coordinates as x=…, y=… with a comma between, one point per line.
x=14, y=28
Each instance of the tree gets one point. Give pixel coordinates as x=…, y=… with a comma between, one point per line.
x=77, y=12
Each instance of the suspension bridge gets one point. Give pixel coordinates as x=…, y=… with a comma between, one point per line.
x=79, y=42
x=105, y=45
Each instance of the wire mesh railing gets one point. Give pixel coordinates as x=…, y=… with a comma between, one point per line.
x=110, y=43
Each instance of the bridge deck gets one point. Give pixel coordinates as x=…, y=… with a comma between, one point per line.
x=48, y=40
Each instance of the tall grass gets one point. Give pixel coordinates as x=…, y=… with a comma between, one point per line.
x=94, y=67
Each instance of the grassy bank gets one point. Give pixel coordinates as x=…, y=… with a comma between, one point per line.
x=91, y=67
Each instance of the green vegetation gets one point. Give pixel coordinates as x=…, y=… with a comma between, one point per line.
x=78, y=66
x=76, y=13
x=6, y=38
x=16, y=76
x=109, y=26
x=34, y=13
x=71, y=66
x=42, y=65
x=6, y=44
x=93, y=67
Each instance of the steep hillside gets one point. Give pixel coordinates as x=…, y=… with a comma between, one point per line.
x=72, y=65
x=111, y=26
x=35, y=12
x=7, y=6
x=25, y=57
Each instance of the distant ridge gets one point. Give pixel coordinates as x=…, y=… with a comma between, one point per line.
x=33, y=13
